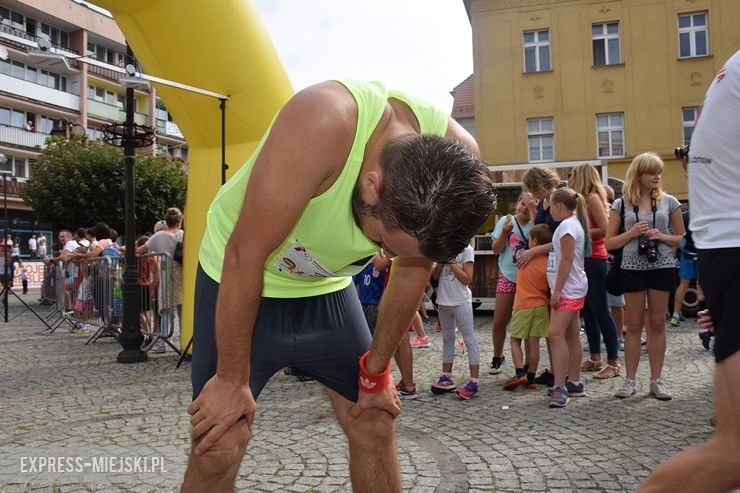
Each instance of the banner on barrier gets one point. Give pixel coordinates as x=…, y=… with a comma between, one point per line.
x=34, y=274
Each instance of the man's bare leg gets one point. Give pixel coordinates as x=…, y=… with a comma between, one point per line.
x=373, y=462
x=715, y=465
x=215, y=470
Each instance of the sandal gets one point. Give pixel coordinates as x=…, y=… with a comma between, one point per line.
x=591, y=365
x=608, y=371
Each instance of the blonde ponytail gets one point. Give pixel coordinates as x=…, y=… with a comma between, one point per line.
x=583, y=219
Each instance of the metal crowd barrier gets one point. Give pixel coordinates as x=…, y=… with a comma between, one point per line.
x=89, y=291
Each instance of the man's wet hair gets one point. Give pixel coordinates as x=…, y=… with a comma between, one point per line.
x=436, y=190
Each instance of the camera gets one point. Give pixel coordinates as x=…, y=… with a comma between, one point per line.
x=649, y=248
x=681, y=152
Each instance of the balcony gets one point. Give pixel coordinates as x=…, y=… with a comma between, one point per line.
x=37, y=92
x=169, y=128
x=14, y=185
x=21, y=137
x=105, y=73
x=112, y=112
x=21, y=39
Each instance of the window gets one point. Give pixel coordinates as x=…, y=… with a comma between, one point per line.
x=610, y=135
x=5, y=67
x=536, y=51
x=99, y=94
x=18, y=21
x=47, y=124
x=121, y=101
x=91, y=50
x=690, y=116
x=540, y=139
x=18, y=118
x=4, y=15
x=110, y=97
x=30, y=26
x=606, y=43
x=17, y=70
x=692, y=35
x=20, y=168
x=30, y=74
x=4, y=116
x=7, y=166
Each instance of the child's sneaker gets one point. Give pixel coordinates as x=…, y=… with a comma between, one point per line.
x=575, y=389
x=558, y=397
x=675, y=321
x=406, y=392
x=468, y=391
x=496, y=363
x=514, y=382
x=443, y=385
x=545, y=378
x=438, y=328
x=421, y=342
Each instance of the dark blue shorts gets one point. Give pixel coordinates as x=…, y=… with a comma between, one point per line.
x=321, y=336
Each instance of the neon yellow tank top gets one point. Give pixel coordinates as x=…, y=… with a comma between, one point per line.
x=326, y=247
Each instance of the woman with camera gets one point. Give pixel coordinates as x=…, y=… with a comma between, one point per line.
x=652, y=229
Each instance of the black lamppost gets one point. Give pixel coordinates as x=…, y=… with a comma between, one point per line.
x=132, y=136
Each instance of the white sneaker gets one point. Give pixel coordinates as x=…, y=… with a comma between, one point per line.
x=660, y=390
x=628, y=389
x=159, y=347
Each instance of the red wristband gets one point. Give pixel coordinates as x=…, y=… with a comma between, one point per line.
x=373, y=382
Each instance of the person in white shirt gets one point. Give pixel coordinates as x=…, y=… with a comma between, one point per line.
x=571, y=244
x=714, y=186
x=32, y=247
x=455, y=309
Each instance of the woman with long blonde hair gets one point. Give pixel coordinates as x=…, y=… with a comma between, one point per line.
x=585, y=180
x=653, y=228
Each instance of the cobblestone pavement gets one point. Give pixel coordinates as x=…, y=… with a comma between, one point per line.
x=64, y=399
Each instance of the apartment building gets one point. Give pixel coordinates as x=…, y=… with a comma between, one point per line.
x=40, y=95
x=570, y=80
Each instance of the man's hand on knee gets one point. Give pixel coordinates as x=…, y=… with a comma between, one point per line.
x=220, y=404
x=386, y=400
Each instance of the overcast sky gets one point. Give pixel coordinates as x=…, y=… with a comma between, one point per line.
x=422, y=47
x=418, y=46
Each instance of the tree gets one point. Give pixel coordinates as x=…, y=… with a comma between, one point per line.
x=80, y=182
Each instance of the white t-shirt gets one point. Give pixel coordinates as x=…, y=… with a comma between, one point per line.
x=32, y=244
x=576, y=285
x=452, y=292
x=714, y=163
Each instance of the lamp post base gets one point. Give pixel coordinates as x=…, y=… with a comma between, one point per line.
x=131, y=356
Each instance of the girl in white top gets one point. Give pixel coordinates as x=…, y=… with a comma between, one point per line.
x=571, y=243
x=455, y=309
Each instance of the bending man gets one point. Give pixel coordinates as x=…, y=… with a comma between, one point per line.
x=346, y=168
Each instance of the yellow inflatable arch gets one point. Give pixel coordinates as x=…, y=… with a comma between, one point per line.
x=221, y=46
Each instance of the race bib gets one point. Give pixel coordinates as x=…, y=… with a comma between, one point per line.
x=551, y=262
x=297, y=261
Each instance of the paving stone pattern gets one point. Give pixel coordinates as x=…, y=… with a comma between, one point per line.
x=61, y=398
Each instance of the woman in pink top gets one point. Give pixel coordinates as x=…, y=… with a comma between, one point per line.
x=584, y=179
